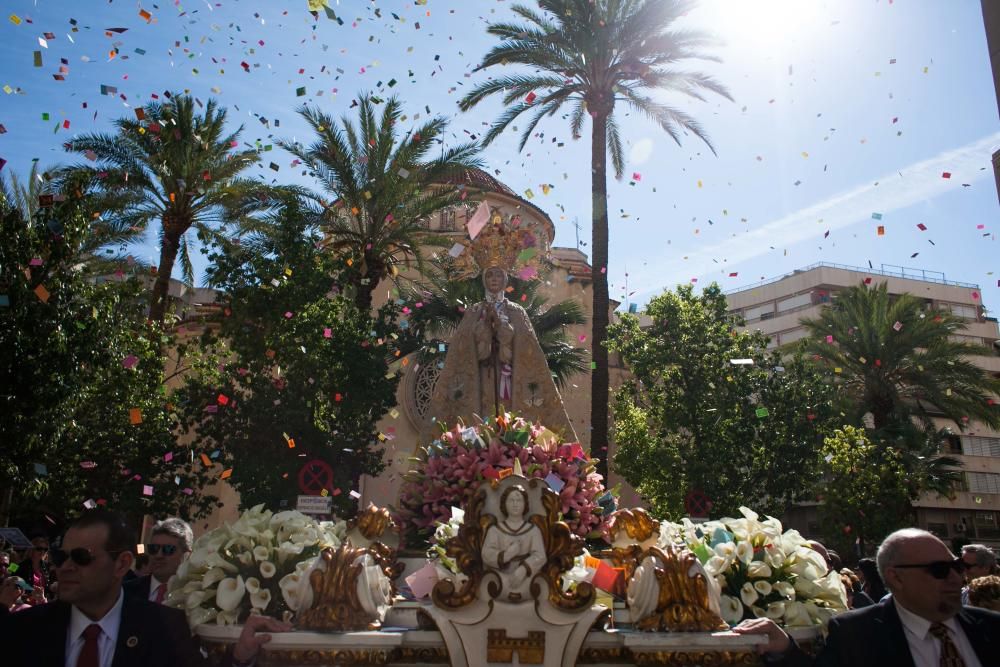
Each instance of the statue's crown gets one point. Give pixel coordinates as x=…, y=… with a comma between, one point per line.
x=498, y=244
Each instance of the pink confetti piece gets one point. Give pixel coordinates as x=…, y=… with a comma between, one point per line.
x=130, y=361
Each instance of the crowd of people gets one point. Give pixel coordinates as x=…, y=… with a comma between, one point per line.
x=85, y=604
x=97, y=599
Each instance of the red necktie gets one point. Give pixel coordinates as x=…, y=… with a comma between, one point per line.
x=90, y=656
x=161, y=592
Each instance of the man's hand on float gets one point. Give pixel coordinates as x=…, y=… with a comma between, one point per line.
x=778, y=641
x=249, y=643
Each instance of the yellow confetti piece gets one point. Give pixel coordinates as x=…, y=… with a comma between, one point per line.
x=324, y=493
x=7, y=89
x=699, y=184
x=838, y=369
x=805, y=154
x=16, y=20
x=529, y=194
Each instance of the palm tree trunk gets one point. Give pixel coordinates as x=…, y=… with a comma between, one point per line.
x=599, y=261
x=169, y=247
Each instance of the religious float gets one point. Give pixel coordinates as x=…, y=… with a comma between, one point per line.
x=506, y=504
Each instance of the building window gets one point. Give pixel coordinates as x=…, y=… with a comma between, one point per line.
x=975, y=445
x=983, y=482
x=952, y=444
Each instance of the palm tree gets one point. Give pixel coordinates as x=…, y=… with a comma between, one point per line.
x=444, y=301
x=178, y=167
x=898, y=360
x=592, y=54
x=382, y=187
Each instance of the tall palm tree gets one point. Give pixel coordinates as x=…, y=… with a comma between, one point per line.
x=592, y=54
x=899, y=361
x=382, y=187
x=444, y=301
x=175, y=166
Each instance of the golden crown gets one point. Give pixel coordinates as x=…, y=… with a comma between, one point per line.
x=497, y=245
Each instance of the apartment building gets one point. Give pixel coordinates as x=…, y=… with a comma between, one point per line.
x=776, y=308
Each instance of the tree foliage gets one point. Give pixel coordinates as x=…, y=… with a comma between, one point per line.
x=175, y=166
x=591, y=55
x=382, y=187
x=898, y=360
x=306, y=375
x=698, y=416
x=85, y=412
x=865, y=493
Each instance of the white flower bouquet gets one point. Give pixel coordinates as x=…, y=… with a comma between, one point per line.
x=762, y=570
x=443, y=533
x=256, y=565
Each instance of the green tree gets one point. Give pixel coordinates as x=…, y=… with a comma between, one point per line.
x=591, y=55
x=85, y=412
x=709, y=408
x=898, y=360
x=865, y=490
x=442, y=303
x=174, y=166
x=382, y=187
x=307, y=375
x=101, y=251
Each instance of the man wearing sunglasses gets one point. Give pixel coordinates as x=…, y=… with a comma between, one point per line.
x=95, y=625
x=169, y=544
x=923, y=623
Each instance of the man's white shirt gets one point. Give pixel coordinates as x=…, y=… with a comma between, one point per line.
x=925, y=647
x=78, y=622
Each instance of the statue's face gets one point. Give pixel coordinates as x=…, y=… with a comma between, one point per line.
x=495, y=280
x=515, y=504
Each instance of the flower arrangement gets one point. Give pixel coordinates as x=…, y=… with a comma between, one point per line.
x=257, y=564
x=762, y=571
x=448, y=473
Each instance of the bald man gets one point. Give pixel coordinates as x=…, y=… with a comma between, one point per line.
x=923, y=624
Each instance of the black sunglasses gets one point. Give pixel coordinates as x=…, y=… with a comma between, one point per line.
x=79, y=555
x=168, y=549
x=938, y=569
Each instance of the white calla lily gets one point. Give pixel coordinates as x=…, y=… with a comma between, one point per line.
x=267, y=569
x=252, y=584
x=758, y=570
x=199, y=615
x=748, y=594
x=212, y=577
x=763, y=587
x=744, y=552
x=261, y=599
x=732, y=609
x=230, y=593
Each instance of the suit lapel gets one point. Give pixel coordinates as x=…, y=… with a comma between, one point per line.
x=982, y=643
x=891, y=637
x=52, y=651
x=132, y=642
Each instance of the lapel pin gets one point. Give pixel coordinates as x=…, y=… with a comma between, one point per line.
x=132, y=641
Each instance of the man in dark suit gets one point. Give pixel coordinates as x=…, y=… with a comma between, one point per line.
x=923, y=623
x=95, y=625
x=169, y=544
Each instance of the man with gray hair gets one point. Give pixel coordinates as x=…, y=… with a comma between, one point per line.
x=979, y=561
x=922, y=624
x=169, y=544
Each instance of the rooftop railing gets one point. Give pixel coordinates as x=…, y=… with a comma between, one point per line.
x=888, y=271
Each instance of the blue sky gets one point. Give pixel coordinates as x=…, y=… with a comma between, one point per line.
x=842, y=110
